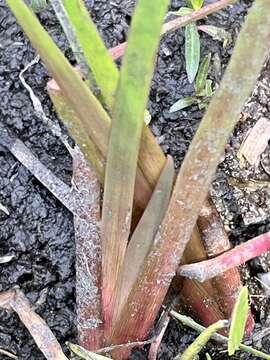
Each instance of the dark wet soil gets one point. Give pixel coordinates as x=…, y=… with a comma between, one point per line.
x=38, y=231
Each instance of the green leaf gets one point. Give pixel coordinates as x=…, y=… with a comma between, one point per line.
x=98, y=58
x=85, y=354
x=201, y=340
x=38, y=5
x=182, y=11
x=128, y=120
x=196, y=4
x=202, y=74
x=208, y=88
x=238, y=321
x=208, y=357
x=182, y=104
x=192, y=51
x=217, y=33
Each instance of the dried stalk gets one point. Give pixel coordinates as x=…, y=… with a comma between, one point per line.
x=15, y=300
x=239, y=255
x=118, y=51
x=195, y=176
x=88, y=255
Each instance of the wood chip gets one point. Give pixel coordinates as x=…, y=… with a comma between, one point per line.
x=254, y=143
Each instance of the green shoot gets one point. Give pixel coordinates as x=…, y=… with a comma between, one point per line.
x=203, y=89
x=186, y=320
x=195, y=176
x=238, y=321
x=192, y=51
x=201, y=340
x=38, y=5
x=196, y=4
x=128, y=120
x=99, y=60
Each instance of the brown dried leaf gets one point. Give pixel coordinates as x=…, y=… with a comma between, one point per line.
x=15, y=300
x=255, y=143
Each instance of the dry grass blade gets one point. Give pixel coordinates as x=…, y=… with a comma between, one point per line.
x=255, y=143
x=196, y=174
x=44, y=338
x=57, y=187
x=88, y=255
x=8, y=354
x=239, y=255
x=125, y=137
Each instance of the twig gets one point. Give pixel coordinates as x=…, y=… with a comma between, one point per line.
x=8, y=354
x=186, y=320
x=106, y=350
x=208, y=269
x=55, y=128
x=164, y=322
x=180, y=21
x=43, y=336
x=58, y=188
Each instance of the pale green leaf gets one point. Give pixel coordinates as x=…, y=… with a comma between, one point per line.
x=208, y=357
x=208, y=88
x=202, y=74
x=217, y=33
x=183, y=103
x=99, y=60
x=38, y=5
x=201, y=340
x=238, y=321
x=196, y=4
x=192, y=51
x=182, y=11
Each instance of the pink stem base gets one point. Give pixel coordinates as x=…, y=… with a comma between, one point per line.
x=208, y=269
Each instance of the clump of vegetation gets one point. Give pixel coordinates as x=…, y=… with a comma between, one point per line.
x=127, y=258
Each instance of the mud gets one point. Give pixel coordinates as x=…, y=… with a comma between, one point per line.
x=38, y=231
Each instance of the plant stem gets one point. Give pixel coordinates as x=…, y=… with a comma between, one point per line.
x=88, y=255
x=208, y=269
x=118, y=51
x=216, y=241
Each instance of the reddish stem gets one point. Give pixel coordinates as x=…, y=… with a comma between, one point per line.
x=118, y=51
x=208, y=269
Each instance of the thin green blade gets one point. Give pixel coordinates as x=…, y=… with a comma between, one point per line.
x=202, y=74
x=128, y=120
x=192, y=51
x=238, y=322
x=201, y=340
x=99, y=60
